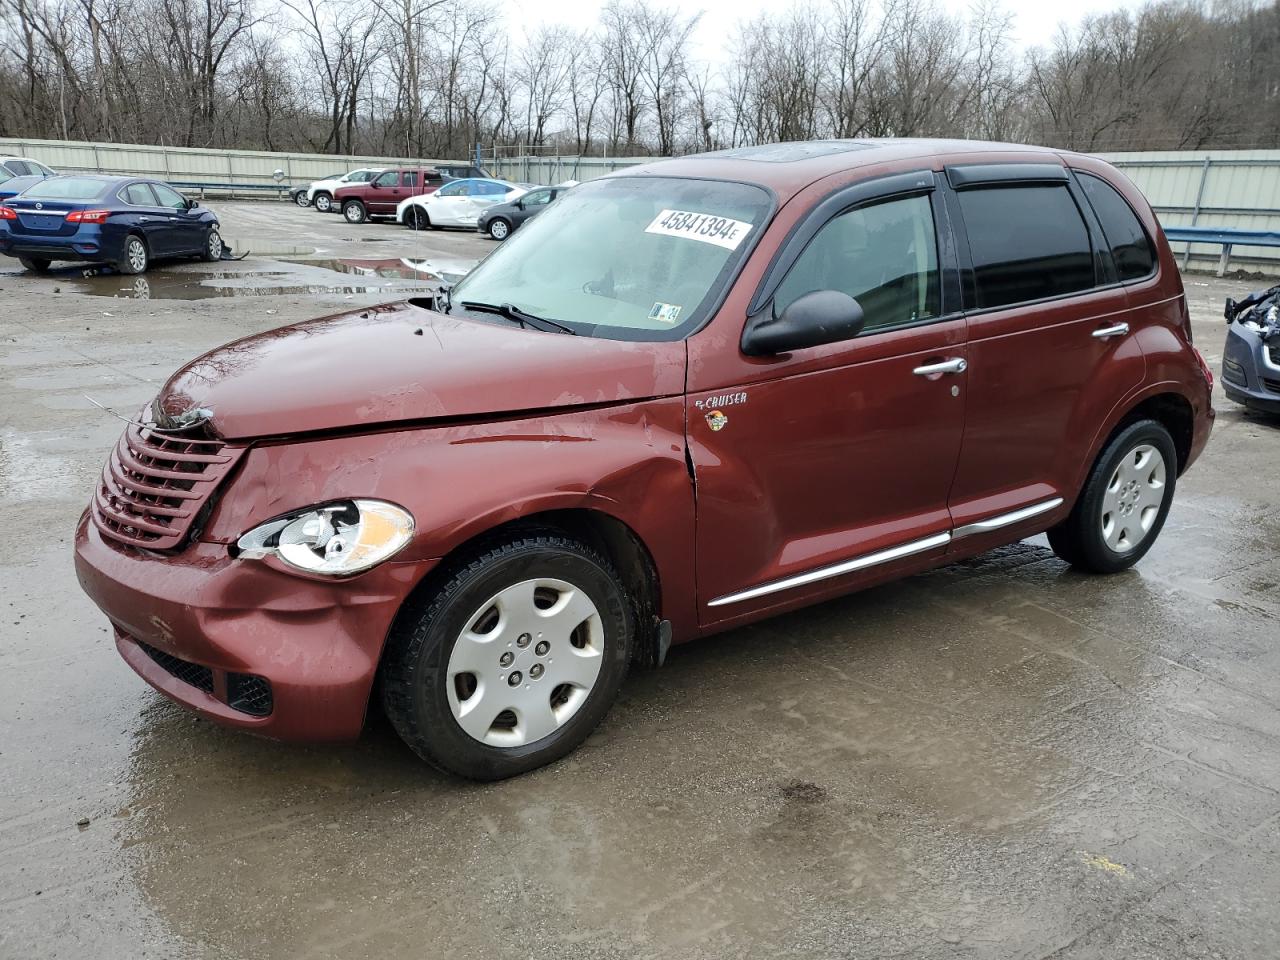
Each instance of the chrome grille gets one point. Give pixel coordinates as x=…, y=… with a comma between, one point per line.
x=155, y=484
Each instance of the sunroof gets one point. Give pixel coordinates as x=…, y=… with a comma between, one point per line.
x=786, y=152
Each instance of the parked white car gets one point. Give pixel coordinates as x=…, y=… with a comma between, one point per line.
x=22, y=167
x=458, y=203
x=320, y=193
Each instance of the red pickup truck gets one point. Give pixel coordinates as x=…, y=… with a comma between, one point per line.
x=380, y=196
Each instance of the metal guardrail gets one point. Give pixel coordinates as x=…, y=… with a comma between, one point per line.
x=1227, y=239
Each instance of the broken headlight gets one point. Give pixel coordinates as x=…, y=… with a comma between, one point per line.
x=337, y=539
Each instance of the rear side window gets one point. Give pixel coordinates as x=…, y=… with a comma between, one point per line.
x=1027, y=243
x=139, y=194
x=1130, y=246
x=409, y=178
x=885, y=256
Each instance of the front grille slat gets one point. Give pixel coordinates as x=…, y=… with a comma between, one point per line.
x=154, y=486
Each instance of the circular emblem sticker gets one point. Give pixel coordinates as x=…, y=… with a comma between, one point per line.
x=716, y=420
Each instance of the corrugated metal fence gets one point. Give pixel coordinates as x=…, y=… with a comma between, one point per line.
x=249, y=171
x=1208, y=188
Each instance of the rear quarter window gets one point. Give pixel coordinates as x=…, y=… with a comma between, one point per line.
x=1027, y=243
x=1131, y=248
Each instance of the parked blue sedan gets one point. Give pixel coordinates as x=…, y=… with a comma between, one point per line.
x=123, y=221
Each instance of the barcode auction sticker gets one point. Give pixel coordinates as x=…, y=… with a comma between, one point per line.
x=722, y=231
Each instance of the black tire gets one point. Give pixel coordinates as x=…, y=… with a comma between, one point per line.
x=322, y=202
x=35, y=264
x=136, y=257
x=417, y=219
x=1080, y=540
x=353, y=211
x=499, y=229
x=212, y=246
x=300, y=198
x=414, y=670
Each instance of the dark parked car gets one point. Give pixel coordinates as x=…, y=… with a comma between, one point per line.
x=687, y=397
x=462, y=171
x=499, y=221
x=1251, y=356
x=123, y=221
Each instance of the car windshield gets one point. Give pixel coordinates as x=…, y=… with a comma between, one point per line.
x=66, y=188
x=633, y=258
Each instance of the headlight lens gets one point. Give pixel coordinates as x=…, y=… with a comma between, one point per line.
x=337, y=539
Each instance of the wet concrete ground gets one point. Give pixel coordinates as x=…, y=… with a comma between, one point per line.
x=998, y=759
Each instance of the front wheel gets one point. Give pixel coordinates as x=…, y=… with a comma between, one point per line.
x=323, y=202
x=300, y=198
x=35, y=264
x=354, y=211
x=417, y=218
x=135, y=257
x=212, y=246
x=511, y=661
x=1124, y=501
x=499, y=229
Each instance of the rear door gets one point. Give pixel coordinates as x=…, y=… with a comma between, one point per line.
x=1050, y=349
x=144, y=212
x=822, y=469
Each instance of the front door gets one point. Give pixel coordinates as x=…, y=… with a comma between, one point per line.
x=1050, y=348
x=183, y=232
x=386, y=192
x=832, y=467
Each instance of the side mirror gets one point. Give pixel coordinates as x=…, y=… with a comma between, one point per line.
x=192, y=204
x=822, y=316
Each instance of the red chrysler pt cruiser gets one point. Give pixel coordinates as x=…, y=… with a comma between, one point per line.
x=688, y=396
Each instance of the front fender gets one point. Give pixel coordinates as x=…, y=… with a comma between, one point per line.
x=627, y=461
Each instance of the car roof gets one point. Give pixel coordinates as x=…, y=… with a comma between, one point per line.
x=787, y=168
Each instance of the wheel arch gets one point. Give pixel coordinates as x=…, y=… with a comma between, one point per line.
x=1165, y=403
x=591, y=525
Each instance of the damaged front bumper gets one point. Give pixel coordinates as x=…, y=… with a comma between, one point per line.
x=1251, y=368
x=241, y=643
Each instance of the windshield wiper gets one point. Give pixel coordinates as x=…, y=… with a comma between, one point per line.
x=512, y=312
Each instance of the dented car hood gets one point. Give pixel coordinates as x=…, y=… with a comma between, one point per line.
x=400, y=363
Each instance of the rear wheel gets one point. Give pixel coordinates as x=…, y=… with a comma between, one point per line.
x=323, y=202
x=354, y=211
x=510, y=662
x=135, y=257
x=499, y=229
x=35, y=264
x=1123, y=505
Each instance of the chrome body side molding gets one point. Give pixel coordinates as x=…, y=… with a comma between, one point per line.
x=892, y=553
x=836, y=569
x=1006, y=519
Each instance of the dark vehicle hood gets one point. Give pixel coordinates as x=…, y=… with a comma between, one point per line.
x=401, y=363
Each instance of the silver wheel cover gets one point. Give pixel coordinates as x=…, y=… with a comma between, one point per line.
x=352, y=213
x=215, y=244
x=525, y=663
x=322, y=203
x=137, y=253
x=499, y=229
x=1132, y=499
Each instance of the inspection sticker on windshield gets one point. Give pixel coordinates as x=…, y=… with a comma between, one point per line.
x=664, y=312
x=722, y=231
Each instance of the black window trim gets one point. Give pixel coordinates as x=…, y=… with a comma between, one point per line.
x=865, y=193
x=1104, y=272
x=1076, y=174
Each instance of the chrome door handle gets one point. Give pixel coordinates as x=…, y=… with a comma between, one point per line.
x=954, y=365
x=1118, y=330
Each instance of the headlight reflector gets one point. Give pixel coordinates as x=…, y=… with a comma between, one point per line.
x=337, y=539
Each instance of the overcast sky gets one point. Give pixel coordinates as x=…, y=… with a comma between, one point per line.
x=1034, y=20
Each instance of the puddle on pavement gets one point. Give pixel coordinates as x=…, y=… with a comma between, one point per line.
x=348, y=275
